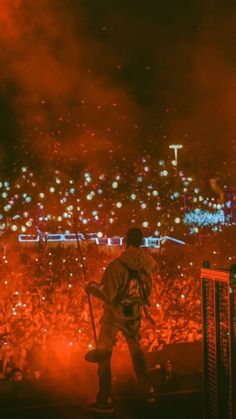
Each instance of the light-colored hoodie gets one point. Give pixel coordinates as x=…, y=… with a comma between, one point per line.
x=116, y=285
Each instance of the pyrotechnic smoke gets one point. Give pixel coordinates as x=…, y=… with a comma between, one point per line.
x=87, y=80
x=65, y=109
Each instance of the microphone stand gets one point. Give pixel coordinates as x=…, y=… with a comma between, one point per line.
x=98, y=354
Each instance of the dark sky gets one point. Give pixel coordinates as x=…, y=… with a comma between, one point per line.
x=83, y=80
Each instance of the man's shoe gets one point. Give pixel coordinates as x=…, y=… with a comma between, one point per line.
x=150, y=396
x=105, y=406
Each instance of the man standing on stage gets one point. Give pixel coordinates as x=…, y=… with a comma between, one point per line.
x=125, y=288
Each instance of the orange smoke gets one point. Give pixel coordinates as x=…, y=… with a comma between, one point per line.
x=60, y=103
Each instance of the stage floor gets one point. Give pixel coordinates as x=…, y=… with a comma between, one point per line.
x=176, y=405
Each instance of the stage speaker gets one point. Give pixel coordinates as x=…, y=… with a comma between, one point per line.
x=181, y=358
x=185, y=358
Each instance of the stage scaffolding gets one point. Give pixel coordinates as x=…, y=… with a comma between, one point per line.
x=219, y=341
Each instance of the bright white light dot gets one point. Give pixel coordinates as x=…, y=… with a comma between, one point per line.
x=89, y=197
x=111, y=220
x=161, y=162
x=72, y=190
x=7, y=208
x=139, y=178
x=24, y=169
x=133, y=196
x=65, y=214
x=119, y=204
x=29, y=223
x=100, y=234
x=23, y=229
x=143, y=205
x=165, y=172
x=155, y=193
x=146, y=169
x=145, y=224
x=4, y=194
x=85, y=221
x=177, y=220
x=115, y=185
x=28, y=199
x=41, y=195
x=100, y=191
x=174, y=163
x=52, y=189
x=14, y=227
x=156, y=233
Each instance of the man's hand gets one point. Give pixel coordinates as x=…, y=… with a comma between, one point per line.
x=95, y=289
x=88, y=286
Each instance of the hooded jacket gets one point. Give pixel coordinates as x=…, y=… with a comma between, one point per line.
x=117, y=288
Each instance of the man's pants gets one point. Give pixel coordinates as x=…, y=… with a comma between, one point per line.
x=107, y=339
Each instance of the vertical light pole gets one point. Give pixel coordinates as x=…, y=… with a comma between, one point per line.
x=176, y=147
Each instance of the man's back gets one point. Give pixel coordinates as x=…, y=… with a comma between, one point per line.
x=123, y=281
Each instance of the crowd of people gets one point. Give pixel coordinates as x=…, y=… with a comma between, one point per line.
x=158, y=195
x=44, y=314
